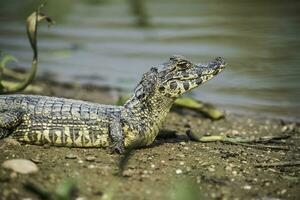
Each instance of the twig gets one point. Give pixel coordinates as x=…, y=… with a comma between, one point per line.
x=242, y=141
x=262, y=146
x=278, y=164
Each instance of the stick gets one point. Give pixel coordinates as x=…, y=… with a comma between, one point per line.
x=278, y=164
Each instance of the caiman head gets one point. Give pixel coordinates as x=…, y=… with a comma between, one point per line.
x=179, y=75
x=161, y=85
x=176, y=77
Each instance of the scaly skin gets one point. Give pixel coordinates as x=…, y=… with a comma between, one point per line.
x=66, y=122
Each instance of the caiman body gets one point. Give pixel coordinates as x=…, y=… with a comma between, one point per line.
x=74, y=123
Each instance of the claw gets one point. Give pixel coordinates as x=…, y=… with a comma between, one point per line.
x=117, y=148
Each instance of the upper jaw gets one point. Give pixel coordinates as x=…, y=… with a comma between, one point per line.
x=211, y=68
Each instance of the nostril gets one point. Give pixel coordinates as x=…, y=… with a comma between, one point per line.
x=220, y=60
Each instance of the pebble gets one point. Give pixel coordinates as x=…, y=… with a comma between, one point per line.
x=247, y=187
x=81, y=198
x=244, y=161
x=128, y=173
x=283, y=191
x=198, y=179
x=182, y=143
x=181, y=155
x=211, y=169
x=36, y=160
x=91, y=166
x=71, y=156
x=179, y=171
x=188, y=169
x=90, y=158
x=228, y=168
x=267, y=183
x=21, y=166
x=80, y=161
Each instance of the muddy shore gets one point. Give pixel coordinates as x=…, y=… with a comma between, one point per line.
x=173, y=164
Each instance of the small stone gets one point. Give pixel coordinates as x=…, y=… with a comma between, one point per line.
x=90, y=158
x=81, y=198
x=36, y=160
x=283, y=191
x=247, y=187
x=91, y=166
x=182, y=143
x=228, y=168
x=46, y=146
x=13, y=175
x=188, y=169
x=128, y=173
x=181, y=155
x=179, y=171
x=210, y=169
x=198, y=179
x=148, y=192
x=181, y=163
x=71, y=156
x=152, y=166
x=21, y=166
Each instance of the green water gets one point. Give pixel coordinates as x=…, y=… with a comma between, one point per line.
x=100, y=42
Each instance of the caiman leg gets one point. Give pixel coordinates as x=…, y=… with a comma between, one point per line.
x=116, y=135
x=9, y=120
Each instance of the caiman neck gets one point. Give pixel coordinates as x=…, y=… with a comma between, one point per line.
x=154, y=108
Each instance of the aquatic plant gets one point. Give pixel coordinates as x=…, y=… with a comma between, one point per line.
x=7, y=87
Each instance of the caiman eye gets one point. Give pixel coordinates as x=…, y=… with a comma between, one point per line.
x=184, y=65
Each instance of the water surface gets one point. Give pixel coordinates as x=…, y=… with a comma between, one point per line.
x=100, y=42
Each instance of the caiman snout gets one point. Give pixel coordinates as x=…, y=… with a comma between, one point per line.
x=210, y=69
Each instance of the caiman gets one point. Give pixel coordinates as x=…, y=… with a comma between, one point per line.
x=73, y=123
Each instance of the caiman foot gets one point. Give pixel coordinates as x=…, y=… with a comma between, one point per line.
x=117, y=138
x=9, y=119
x=117, y=148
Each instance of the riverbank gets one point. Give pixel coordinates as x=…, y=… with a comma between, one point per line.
x=215, y=170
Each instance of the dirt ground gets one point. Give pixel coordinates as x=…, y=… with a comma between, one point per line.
x=173, y=166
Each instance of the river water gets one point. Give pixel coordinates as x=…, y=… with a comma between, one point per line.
x=101, y=42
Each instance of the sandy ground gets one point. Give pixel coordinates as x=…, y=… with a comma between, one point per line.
x=170, y=167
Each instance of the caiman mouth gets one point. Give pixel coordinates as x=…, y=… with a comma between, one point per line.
x=180, y=75
x=211, y=68
x=207, y=71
